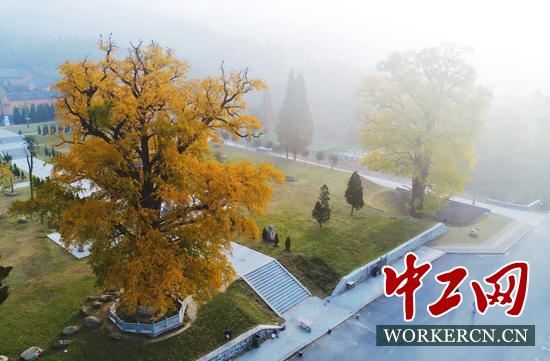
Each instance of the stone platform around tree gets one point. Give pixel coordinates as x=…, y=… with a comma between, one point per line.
x=56, y=238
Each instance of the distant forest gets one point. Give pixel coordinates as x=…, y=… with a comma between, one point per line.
x=36, y=114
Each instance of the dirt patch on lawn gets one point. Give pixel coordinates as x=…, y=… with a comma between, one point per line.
x=317, y=276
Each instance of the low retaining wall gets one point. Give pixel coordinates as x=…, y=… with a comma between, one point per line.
x=533, y=206
x=363, y=272
x=149, y=329
x=240, y=344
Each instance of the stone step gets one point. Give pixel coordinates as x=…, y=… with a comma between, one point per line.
x=276, y=286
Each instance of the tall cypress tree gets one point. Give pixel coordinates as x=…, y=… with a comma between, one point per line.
x=295, y=127
x=266, y=116
x=32, y=113
x=321, y=210
x=16, y=115
x=354, y=192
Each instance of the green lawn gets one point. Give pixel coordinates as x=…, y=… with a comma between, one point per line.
x=237, y=307
x=48, y=286
x=50, y=140
x=487, y=226
x=320, y=256
x=33, y=127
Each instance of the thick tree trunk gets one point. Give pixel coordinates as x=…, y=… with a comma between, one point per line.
x=352, y=210
x=417, y=198
x=30, y=163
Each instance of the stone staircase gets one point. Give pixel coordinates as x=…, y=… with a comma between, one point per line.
x=276, y=286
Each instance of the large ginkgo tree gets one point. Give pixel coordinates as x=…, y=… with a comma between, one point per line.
x=156, y=207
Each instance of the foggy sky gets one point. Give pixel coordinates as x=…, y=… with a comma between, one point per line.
x=509, y=39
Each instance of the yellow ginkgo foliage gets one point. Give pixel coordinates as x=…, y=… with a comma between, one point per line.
x=161, y=212
x=421, y=113
x=5, y=174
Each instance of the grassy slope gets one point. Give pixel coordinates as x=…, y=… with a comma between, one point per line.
x=33, y=127
x=46, y=284
x=47, y=287
x=237, y=308
x=345, y=242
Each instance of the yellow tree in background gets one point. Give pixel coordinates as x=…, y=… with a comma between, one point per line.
x=421, y=112
x=5, y=174
x=162, y=212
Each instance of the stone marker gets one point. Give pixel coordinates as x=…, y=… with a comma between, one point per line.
x=92, y=322
x=70, y=330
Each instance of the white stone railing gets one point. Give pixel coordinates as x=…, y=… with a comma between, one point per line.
x=362, y=273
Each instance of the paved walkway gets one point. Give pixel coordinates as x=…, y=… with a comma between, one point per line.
x=246, y=260
x=56, y=238
x=325, y=315
x=40, y=168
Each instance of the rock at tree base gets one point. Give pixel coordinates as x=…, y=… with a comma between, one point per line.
x=92, y=322
x=61, y=343
x=106, y=298
x=31, y=353
x=70, y=330
x=96, y=304
x=85, y=311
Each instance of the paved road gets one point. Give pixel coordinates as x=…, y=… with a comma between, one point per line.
x=355, y=339
x=390, y=181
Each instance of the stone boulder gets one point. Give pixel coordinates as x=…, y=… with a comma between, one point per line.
x=96, y=304
x=92, y=322
x=106, y=298
x=70, y=330
x=31, y=353
x=86, y=311
x=59, y=344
